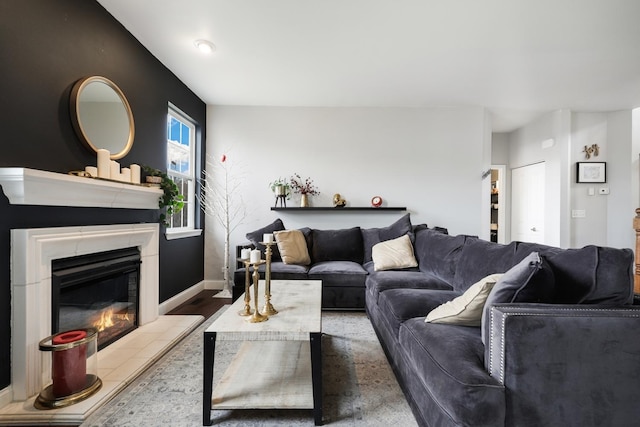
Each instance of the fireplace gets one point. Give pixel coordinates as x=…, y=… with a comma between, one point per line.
x=33, y=252
x=98, y=290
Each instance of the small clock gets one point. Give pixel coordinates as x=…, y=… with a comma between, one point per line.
x=376, y=201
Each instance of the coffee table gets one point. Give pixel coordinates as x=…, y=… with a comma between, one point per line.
x=279, y=362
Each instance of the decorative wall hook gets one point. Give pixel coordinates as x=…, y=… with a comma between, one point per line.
x=593, y=150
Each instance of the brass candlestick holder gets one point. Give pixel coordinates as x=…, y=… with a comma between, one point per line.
x=246, y=311
x=268, y=308
x=256, y=317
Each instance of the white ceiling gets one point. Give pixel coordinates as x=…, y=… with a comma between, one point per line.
x=517, y=58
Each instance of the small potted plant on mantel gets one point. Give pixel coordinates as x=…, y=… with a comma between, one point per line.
x=282, y=190
x=171, y=199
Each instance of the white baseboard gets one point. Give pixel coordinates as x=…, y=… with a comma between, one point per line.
x=183, y=296
x=214, y=284
x=6, y=396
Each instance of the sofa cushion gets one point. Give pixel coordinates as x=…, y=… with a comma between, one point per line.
x=371, y=236
x=394, y=254
x=255, y=237
x=338, y=273
x=293, y=247
x=438, y=253
x=448, y=363
x=399, y=305
x=336, y=245
x=480, y=258
x=531, y=280
x=467, y=308
x=381, y=281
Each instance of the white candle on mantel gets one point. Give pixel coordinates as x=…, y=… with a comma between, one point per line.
x=115, y=170
x=267, y=238
x=91, y=170
x=245, y=253
x=125, y=175
x=255, y=256
x=104, y=163
x=135, y=173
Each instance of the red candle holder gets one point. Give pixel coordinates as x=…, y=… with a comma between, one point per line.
x=69, y=369
x=73, y=368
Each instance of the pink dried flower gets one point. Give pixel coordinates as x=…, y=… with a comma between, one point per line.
x=303, y=187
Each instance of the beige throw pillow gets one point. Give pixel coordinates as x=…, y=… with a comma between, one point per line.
x=465, y=310
x=393, y=254
x=292, y=247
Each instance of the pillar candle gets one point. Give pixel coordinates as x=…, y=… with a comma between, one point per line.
x=267, y=238
x=69, y=367
x=125, y=175
x=104, y=163
x=255, y=256
x=245, y=253
x=115, y=170
x=135, y=173
x=91, y=170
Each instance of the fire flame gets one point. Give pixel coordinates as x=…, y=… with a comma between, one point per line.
x=107, y=319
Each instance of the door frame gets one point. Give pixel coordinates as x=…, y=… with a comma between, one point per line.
x=502, y=202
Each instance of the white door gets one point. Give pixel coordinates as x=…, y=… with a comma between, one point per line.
x=527, y=203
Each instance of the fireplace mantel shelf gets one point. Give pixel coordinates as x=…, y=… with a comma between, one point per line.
x=24, y=186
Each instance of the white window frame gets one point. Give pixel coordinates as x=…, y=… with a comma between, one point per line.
x=191, y=206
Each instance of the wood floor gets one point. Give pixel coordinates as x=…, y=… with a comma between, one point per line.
x=203, y=303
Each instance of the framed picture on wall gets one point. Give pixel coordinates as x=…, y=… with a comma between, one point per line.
x=591, y=172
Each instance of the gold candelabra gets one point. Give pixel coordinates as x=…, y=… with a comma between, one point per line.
x=268, y=308
x=246, y=311
x=256, y=317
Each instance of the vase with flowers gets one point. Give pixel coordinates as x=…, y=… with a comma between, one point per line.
x=305, y=188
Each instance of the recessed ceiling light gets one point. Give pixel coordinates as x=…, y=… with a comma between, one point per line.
x=205, y=46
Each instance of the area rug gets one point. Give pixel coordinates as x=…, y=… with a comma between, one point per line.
x=359, y=388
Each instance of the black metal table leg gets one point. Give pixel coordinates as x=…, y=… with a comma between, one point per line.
x=316, y=375
x=207, y=388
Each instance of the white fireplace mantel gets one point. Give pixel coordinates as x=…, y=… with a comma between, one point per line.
x=24, y=186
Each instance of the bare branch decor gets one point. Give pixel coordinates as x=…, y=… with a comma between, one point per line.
x=221, y=199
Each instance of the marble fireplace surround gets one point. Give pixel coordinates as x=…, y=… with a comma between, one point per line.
x=32, y=251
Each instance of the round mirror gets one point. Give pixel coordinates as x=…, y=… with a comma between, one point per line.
x=101, y=116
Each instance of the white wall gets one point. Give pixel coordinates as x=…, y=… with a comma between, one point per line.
x=525, y=148
x=588, y=129
x=622, y=177
x=608, y=219
x=427, y=159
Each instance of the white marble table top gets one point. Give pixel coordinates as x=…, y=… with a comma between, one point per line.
x=299, y=304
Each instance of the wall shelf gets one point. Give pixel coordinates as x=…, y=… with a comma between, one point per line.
x=345, y=209
x=24, y=186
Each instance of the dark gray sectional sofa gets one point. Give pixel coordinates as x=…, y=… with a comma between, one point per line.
x=559, y=341
x=569, y=358
x=340, y=258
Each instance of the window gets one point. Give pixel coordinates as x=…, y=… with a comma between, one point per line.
x=181, y=167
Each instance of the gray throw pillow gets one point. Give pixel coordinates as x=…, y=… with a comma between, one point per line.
x=531, y=280
x=256, y=236
x=336, y=245
x=373, y=236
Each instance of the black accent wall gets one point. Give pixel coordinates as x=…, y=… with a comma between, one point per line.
x=45, y=47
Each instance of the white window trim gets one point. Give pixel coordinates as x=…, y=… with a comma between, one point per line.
x=181, y=233
x=172, y=233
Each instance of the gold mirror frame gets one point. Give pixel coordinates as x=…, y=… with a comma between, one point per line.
x=83, y=127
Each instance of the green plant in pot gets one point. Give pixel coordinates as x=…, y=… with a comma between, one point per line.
x=171, y=199
x=281, y=187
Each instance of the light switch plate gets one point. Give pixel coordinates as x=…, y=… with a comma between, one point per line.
x=578, y=213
